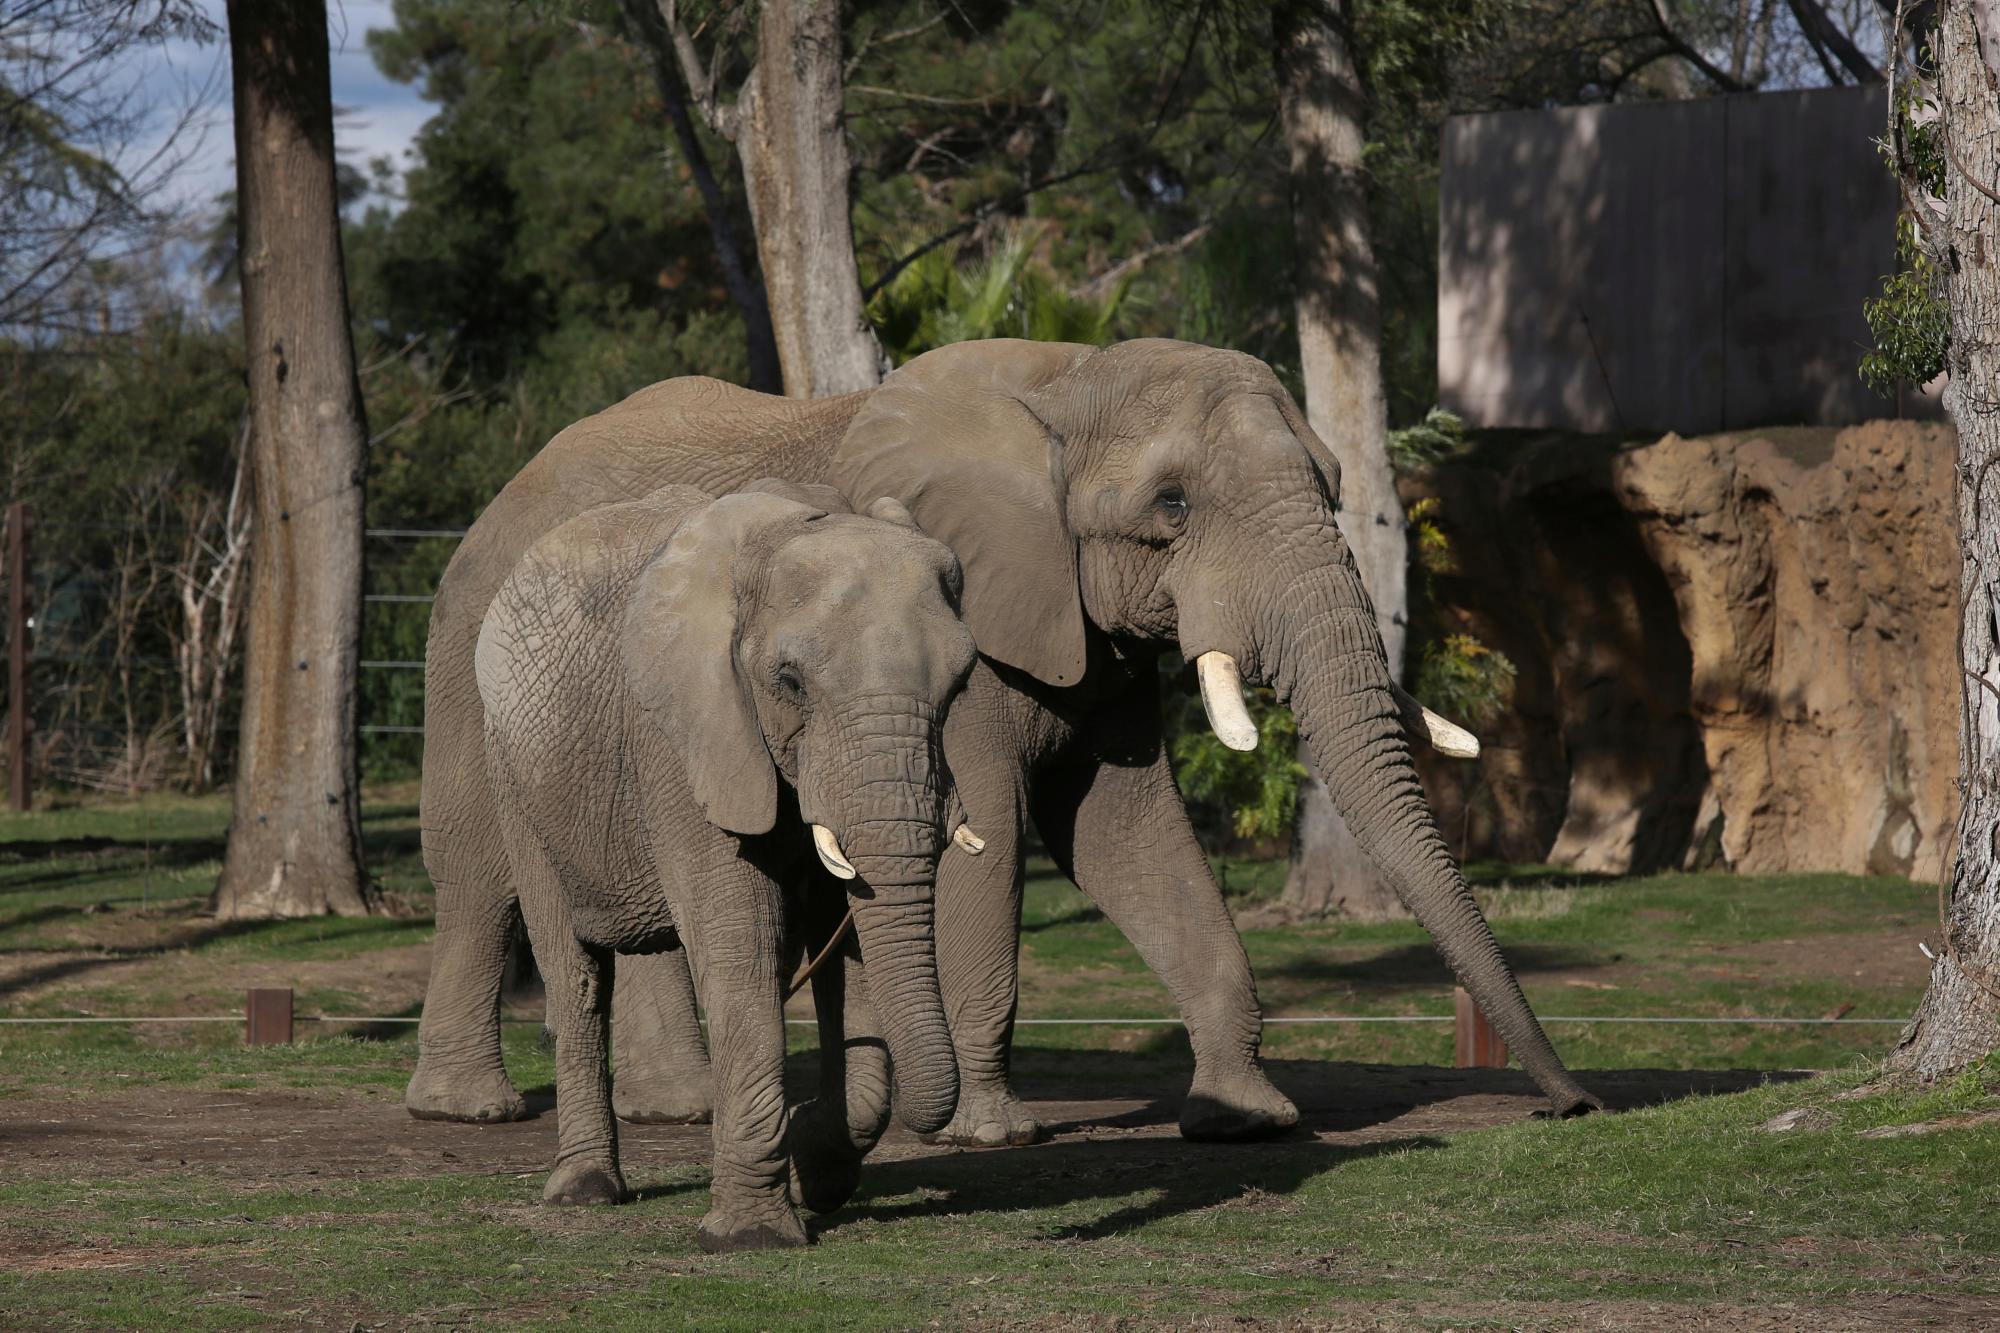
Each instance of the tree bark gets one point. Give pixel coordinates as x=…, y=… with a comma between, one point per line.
x=793, y=141
x=648, y=26
x=1958, y=1021
x=294, y=833
x=1323, y=109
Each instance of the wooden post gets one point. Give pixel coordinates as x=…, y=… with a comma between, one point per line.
x=1478, y=1045
x=18, y=606
x=269, y=1012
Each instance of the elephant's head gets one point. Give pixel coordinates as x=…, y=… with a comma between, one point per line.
x=1172, y=493
x=772, y=638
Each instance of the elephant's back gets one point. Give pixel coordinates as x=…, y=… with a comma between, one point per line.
x=691, y=431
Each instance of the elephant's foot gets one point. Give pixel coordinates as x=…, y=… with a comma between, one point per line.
x=663, y=1099
x=1233, y=1107
x=988, y=1116
x=585, y=1182
x=826, y=1166
x=724, y=1229
x=477, y=1096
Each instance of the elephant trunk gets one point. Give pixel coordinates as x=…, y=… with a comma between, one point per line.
x=1328, y=664
x=890, y=831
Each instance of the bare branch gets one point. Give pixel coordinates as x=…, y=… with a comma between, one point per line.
x=871, y=41
x=1717, y=76
x=701, y=83
x=1106, y=282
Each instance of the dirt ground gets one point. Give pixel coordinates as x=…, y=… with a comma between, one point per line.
x=271, y=1135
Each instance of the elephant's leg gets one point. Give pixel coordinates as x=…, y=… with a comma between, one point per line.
x=659, y=1059
x=460, y=1075
x=579, y=981
x=735, y=935
x=978, y=938
x=832, y=1133
x=1122, y=833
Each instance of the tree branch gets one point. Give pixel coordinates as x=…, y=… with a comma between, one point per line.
x=1826, y=36
x=871, y=41
x=700, y=82
x=1106, y=282
x=1717, y=76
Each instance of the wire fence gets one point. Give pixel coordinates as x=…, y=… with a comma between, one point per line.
x=134, y=672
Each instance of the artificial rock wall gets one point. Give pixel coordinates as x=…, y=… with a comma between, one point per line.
x=1733, y=650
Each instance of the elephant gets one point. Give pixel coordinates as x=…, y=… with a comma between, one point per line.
x=1106, y=504
x=684, y=699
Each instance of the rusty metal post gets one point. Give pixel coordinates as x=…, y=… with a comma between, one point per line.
x=269, y=1012
x=1478, y=1045
x=18, y=606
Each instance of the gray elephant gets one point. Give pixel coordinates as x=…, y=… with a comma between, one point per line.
x=648, y=672
x=1106, y=504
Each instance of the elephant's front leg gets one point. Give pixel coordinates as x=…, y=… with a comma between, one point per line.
x=658, y=1055
x=735, y=933
x=1123, y=834
x=978, y=931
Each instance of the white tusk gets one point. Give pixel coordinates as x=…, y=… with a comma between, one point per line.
x=829, y=852
x=1222, y=699
x=971, y=842
x=1447, y=738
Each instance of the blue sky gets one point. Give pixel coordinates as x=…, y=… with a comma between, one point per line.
x=377, y=117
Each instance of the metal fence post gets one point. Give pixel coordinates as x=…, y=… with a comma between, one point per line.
x=18, y=606
x=269, y=1017
x=1477, y=1045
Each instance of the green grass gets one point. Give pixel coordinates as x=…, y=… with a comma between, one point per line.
x=1687, y=1206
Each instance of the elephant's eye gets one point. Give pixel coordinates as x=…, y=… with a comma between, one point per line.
x=790, y=685
x=1172, y=501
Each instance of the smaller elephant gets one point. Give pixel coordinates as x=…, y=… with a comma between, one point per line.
x=649, y=673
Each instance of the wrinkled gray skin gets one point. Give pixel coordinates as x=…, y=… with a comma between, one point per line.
x=648, y=672
x=1050, y=470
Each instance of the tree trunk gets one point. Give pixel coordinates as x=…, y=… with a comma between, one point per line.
x=649, y=29
x=294, y=831
x=794, y=146
x=1959, y=1019
x=1323, y=109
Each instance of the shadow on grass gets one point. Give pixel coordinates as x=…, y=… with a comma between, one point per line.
x=1183, y=1178
x=109, y=859
x=1417, y=966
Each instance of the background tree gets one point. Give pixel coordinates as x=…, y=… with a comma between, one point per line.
x=1945, y=125
x=1323, y=108
x=85, y=152
x=295, y=827
x=788, y=124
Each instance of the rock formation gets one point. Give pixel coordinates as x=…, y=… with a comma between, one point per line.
x=1732, y=651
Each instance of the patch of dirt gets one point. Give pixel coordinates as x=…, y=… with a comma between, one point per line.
x=271, y=1134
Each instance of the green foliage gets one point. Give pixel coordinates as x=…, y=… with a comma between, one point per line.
x=1259, y=789
x=1910, y=322
x=1462, y=678
x=1010, y=294
x=1437, y=437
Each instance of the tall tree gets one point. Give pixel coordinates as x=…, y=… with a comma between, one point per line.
x=1323, y=109
x=788, y=124
x=294, y=832
x=647, y=28
x=1957, y=118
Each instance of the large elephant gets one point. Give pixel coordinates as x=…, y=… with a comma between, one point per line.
x=649, y=672
x=1106, y=504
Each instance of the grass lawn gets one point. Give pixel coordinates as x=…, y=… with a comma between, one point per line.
x=168, y=1174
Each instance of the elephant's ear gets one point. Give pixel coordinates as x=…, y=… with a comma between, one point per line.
x=680, y=648
x=952, y=438
x=1322, y=457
